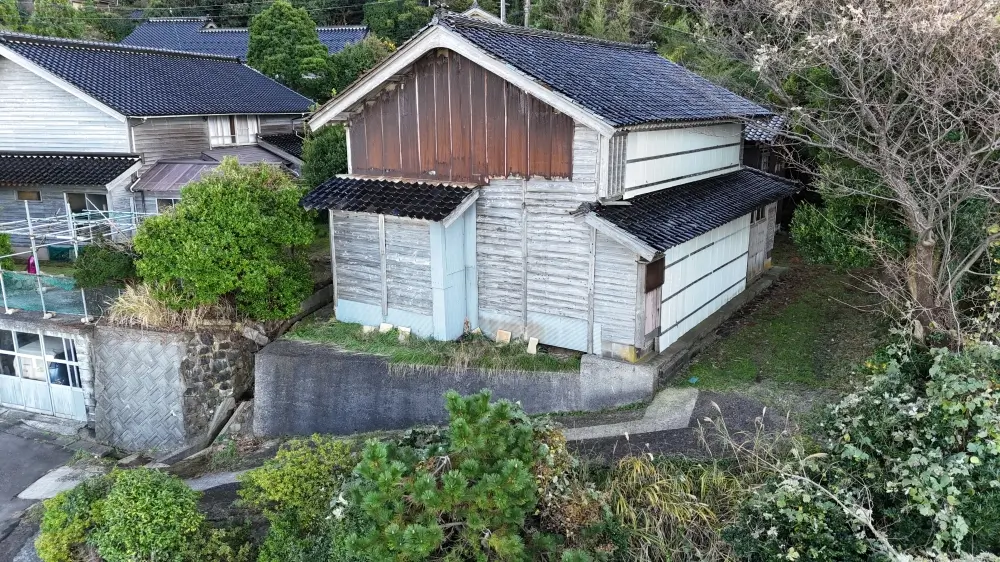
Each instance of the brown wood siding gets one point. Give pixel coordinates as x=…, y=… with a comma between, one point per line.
x=451, y=120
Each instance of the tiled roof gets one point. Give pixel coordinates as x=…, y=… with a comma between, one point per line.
x=190, y=34
x=22, y=168
x=764, y=130
x=666, y=218
x=387, y=197
x=290, y=143
x=139, y=82
x=172, y=174
x=624, y=84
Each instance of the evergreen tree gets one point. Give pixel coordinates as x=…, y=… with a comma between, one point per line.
x=9, y=16
x=56, y=18
x=284, y=45
x=620, y=28
x=354, y=59
x=324, y=155
x=595, y=19
x=396, y=21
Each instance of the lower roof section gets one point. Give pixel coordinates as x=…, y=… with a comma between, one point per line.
x=169, y=176
x=389, y=197
x=42, y=168
x=663, y=219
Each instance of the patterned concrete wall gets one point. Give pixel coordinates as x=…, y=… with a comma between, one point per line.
x=139, y=388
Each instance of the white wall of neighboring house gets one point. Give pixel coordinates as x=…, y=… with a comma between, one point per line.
x=664, y=158
x=36, y=115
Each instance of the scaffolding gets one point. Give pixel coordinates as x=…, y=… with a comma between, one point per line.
x=70, y=230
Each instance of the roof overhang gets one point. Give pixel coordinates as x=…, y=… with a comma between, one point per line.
x=277, y=151
x=24, y=62
x=440, y=37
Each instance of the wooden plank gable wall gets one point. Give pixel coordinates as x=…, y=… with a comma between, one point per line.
x=451, y=120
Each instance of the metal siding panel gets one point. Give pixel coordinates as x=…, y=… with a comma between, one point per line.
x=36, y=115
x=586, y=154
x=270, y=125
x=496, y=125
x=358, y=261
x=391, y=156
x=499, y=257
x=648, y=144
x=408, y=265
x=408, y=127
x=10, y=391
x=614, y=292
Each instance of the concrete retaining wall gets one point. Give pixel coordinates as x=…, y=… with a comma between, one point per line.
x=304, y=388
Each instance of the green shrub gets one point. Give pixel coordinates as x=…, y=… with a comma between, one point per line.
x=791, y=520
x=69, y=518
x=102, y=265
x=150, y=515
x=834, y=233
x=324, y=155
x=294, y=490
x=925, y=438
x=6, y=249
x=465, y=495
x=239, y=231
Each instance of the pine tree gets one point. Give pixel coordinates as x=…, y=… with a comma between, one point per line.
x=284, y=45
x=620, y=28
x=595, y=20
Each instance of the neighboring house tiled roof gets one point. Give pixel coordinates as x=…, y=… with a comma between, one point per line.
x=22, y=168
x=387, y=197
x=140, y=82
x=764, y=130
x=669, y=217
x=622, y=83
x=190, y=34
x=289, y=143
x=172, y=174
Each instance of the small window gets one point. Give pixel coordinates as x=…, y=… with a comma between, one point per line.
x=29, y=195
x=229, y=130
x=759, y=214
x=164, y=204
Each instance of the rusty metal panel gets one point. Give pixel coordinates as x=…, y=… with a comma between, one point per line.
x=359, y=143
x=359, y=270
x=539, y=139
x=373, y=136
x=392, y=158
x=408, y=265
x=427, y=121
x=518, y=109
x=477, y=98
x=442, y=93
x=562, y=138
x=461, y=119
x=615, y=295
x=496, y=125
x=409, y=132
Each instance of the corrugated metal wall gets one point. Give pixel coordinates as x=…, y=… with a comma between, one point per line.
x=667, y=157
x=701, y=275
x=615, y=278
x=36, y=115
x=408, y=265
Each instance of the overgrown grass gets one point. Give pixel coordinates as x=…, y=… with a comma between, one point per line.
x=809, y=331
x=472, y=351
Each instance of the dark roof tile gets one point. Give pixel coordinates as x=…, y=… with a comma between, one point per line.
x=764, y=130
x=625, y=84
x=289, y=143
x=667, y=218
x=22, y=168
x=387, y=197
x=140, y=82
x=190, y=34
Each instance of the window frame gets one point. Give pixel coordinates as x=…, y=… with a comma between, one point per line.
x=71, y=359
x=19, y=199
x=218, y=125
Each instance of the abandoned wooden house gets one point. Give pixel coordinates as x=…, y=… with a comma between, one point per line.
x=586, y=193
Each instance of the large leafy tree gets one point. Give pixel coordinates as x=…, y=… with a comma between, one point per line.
x=355, y=59
x=397, y=20
x=239, y=233
x=324, y=155
x=284, y=45
x=9, y=16
x=56, y=18
x=906, y=89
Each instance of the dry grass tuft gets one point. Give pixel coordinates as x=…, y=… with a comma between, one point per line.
x=137, y=307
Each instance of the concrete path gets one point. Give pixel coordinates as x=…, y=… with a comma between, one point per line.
x=670, y=409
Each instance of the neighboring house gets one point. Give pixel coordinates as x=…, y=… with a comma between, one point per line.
x=759, y=145
x=476, y=12
x=200, y=35
x=586, y=193
x=79, y=120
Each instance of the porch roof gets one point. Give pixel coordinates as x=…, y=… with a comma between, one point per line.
x=45, y=168
x=667, y=218
x=395, y=197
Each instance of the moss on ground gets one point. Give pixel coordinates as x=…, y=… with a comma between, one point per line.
x=471, y=351
x=807, y=332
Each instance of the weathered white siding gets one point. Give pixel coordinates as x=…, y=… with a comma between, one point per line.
x=270, y=125
x=702, y=275
x=663, y=158
x=533, y=257
x=761, y=242
x=38, y=115
x=359, y=268
x=615, y=277
x=408, y=265
x=169, y=137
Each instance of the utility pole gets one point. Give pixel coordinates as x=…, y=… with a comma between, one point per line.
x=527, y=12
x=503, y=11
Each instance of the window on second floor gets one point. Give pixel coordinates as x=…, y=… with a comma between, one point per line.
x=229, y=130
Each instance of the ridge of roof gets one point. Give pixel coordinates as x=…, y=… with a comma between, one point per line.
x=168, y=19
x=27, y=38
x=43, y=154
x=449, y=18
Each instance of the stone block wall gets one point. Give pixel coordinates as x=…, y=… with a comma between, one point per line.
x=159, y=390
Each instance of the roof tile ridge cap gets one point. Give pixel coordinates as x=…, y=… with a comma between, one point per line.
x=448, y=17
x=359, y=26
x=85, y=45
x=167, y=19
